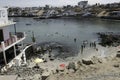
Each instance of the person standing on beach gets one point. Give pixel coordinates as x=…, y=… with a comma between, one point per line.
x=90, y=44
x=50, y=50
x=83, y=45
x=75, y=39
x=94, y=45
x=81, y=49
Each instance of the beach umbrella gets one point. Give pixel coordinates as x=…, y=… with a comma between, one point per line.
x=38, y=60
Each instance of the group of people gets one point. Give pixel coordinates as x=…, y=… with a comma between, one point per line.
x=93, y=44
x=85, y=43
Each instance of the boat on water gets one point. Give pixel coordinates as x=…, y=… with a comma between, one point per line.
x=15, y=20
x=28, y=24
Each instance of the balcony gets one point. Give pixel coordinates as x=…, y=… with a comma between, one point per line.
x=6, y=23
x=14, y=39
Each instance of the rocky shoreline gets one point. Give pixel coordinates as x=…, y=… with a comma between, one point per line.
x=95, y=66
x=109, y=38
x=107, y=68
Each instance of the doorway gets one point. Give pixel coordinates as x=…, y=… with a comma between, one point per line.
x=1, y=35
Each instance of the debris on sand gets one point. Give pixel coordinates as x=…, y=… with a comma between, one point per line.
x=72, y=66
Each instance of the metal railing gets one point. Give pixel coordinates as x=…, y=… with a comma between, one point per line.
x=13, y=38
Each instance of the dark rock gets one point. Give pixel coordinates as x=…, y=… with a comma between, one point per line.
x=79, y=63
x=116, y=65
x=52, y=58
x=118, y=55
x=87, y=62
x=36, y=66
x=44, y=77
x=71, y=65
x=109, y=39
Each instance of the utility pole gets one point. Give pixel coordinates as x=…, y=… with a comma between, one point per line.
x=33, y=37
x=15, y=28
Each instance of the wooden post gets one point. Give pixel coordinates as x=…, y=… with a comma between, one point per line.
x=24, y=57
x=4, y=55
x=33, y=37
x=22, y=45
x=14, y=50
x=24, y=35
x=15, y=29
x=15, y=37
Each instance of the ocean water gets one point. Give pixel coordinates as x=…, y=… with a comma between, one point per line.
x=64, y=31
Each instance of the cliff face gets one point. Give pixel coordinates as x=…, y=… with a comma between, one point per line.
x=109, y=14
x=103, y=13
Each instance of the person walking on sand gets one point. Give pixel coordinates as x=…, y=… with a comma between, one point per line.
x=84, y=45
x=81, y=49
x=50, y=50
x=75, y=39
x=94, y=45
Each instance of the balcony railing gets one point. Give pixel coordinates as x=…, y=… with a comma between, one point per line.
x=6, y=23
x=13, y=38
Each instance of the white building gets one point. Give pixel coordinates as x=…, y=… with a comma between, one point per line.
x=69, y=13
x=8, y=43
x=83, y=4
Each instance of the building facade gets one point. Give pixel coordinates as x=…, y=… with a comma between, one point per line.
x=9, y=51
x=83, y=4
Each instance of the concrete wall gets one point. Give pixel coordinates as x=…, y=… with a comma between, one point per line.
x=3, y=21
x=5, y=32
x=3, y=16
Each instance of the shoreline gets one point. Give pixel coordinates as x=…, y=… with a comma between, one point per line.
x=49, y=68
x=66, y=18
